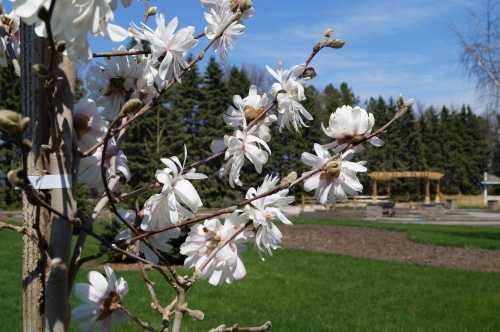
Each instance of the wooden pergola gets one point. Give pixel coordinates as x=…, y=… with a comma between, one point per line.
x=388, y=176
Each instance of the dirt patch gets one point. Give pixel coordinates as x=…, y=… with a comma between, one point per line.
x=387, y=246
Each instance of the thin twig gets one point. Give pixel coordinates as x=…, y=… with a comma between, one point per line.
x=135, y=319
x=150, y=285
x=236, y=328
x=305, y=176
x=120, y=53
x=222, y=245
x=10, y=227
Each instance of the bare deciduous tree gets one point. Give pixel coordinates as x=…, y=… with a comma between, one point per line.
x=480, y=51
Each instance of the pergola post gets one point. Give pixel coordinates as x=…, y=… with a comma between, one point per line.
x=374, y=188
x=427, y=191
x=388, y=188
x=438, y=192
x=485, y=189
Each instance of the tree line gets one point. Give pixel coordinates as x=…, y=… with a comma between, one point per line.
x=458, y=142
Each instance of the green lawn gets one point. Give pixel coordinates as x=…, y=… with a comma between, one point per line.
x=301, y=291
x=442, y=235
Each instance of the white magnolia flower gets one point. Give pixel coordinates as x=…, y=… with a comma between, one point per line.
x=264, y=210
x=337, y=178
x=89, y=170
x=102, y=297
x=10, y=37
x=289, y=92
x=71, y=22
x=152, y=221
x=238, y=147
x=218, y=17
x=89, y=126
x=178, y=194
x=215, y=4
x=168, y=47
x=348, y=124
x=204, y=239
x=115, y=81
x=246, y=110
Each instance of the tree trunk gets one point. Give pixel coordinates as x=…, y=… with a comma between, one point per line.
x=45, y=281
x=62, y=199
x=36, y=220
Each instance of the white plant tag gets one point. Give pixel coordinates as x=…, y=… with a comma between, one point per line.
x=53, y=181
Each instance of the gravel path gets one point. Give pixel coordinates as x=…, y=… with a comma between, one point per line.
x=387, y=246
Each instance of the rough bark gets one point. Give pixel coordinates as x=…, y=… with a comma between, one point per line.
x=61, y=163
x=35, y=218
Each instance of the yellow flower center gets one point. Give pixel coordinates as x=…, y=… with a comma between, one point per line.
x=331, y=171
x=251, y=113
x=109, y=305
x=7, y=22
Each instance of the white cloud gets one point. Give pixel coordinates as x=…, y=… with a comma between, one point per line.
x=376, y=60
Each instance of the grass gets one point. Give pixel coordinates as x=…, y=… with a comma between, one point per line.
x=442, y=235
x=302, y=291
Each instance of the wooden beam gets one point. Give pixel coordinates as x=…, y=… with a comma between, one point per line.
x=386, y=176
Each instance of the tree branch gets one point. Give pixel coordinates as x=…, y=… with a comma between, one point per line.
x=236, y=328
x=11, y=227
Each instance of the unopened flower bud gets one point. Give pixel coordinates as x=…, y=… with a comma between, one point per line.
x=152, y=11
x=195, y=314
x=241, y=5
x=335, y=43
x=291, y=177
x=41, y=70
x=12, y=122
x=131, y=106
x=309, y=73
x=404, y=104
x=14, y=177
x=328, y=33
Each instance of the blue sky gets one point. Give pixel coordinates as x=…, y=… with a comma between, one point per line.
x=393, y=46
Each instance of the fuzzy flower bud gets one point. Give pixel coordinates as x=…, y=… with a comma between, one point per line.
x=14, y=177
x=152, y=11
x=241, y=5
x=131, y=106
x=404, y=104
x=309, y=73
x=12, y=122
x=328, y=33
x=335, y=43
x=292, y=176
x=41, y=70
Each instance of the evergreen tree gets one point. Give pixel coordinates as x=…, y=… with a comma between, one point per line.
x=238, y=83
x=215, y=100
x=10, y=98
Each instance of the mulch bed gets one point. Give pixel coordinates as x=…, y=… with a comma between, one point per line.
x=386, y=246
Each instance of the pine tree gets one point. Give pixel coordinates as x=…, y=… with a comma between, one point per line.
x=215, y=100
x=238, y=82
x=10, y=98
